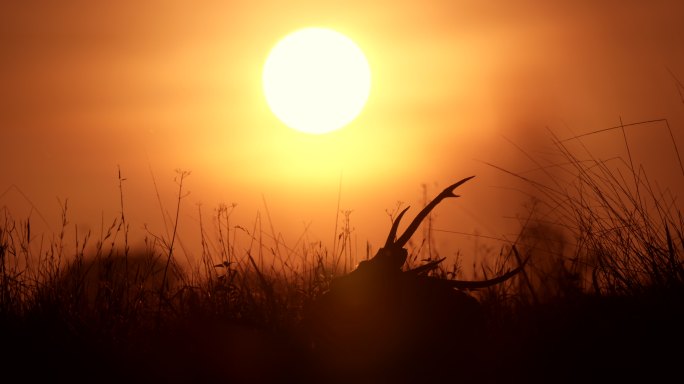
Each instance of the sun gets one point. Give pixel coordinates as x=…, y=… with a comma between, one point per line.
x=316, y=80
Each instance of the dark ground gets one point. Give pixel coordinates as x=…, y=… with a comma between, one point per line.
x=583, y=339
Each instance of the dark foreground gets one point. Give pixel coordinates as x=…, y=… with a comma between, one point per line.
x=581, y=339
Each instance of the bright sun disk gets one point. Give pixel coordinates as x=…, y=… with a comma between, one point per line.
x=316, y=80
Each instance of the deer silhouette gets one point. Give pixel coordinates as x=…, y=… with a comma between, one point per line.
x=383, y=321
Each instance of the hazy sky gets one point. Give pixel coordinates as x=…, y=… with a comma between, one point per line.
x=150, y=87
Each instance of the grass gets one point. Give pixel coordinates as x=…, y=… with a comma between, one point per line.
x=601, y=298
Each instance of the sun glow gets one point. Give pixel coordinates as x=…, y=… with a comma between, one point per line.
x=316, y=80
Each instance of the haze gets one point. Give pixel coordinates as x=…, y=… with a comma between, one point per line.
x=89, y=88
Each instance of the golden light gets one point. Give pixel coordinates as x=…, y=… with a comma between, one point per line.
x=316, y=80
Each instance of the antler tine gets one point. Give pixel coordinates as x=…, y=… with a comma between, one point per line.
x=447, y=192
x=393, y=231
x=461, y=284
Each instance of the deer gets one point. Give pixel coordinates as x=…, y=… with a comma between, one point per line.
x=385, y=321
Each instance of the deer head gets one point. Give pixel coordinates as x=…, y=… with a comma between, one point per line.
x=382, y=316
x=392, y=256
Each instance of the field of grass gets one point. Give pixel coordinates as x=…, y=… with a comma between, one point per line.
x=608, y=305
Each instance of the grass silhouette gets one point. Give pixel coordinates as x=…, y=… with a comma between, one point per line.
x=605, y=307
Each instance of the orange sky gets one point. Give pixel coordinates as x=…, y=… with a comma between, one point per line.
x=156, y=86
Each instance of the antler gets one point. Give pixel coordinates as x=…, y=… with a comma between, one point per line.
x=393, y=255
x=411, y=229
x=470, y=284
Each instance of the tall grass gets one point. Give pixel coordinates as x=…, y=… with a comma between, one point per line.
x=623, y=232
x=598, y=228
x=94, y=281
